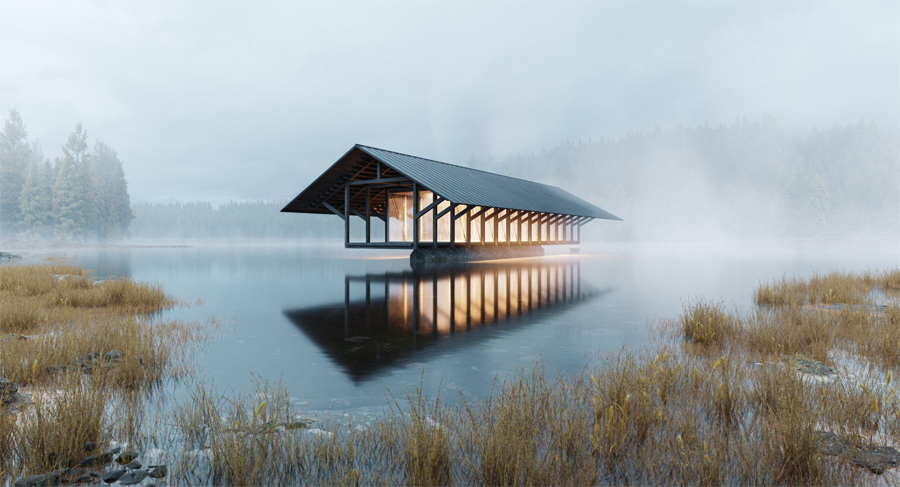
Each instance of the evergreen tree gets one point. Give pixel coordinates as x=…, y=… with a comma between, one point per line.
x=15, y=156
x=113, y=202
x=36, y=200
x=70, y=191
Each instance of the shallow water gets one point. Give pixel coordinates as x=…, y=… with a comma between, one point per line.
x=301, y=312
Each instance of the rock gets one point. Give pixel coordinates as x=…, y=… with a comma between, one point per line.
x=133, y=465
x=112, y=476
x=873, y=458
x=85, y=479
x=133, y=477
x=7, y=255
x=113, y=356
x=814, y=367
x=8, y=390
x=55, y=477
x=90, y=446
x=126, y=457
x=159, y=471
x=99, y=459
x=31, y=481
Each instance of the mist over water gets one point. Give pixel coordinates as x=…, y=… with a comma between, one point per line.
x=284, y=308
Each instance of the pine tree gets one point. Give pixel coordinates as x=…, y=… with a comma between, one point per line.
x=119, y=202
x=113, y=201
x=36, y=200
x=15, y=156
x=70, y=190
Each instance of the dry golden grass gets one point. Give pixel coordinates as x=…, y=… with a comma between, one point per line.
x=834, y=287
x=56, y=327
x=52, y=434
x=706, y=323
x=54, y=315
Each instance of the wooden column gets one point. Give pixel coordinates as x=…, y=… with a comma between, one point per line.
x=434, y=221
x=415, y=218
x=481, y=223
x=530, y=226
x=496, y=227
x=468, y=233
x=368, y=218
x=539, y=225
x=452, y=231
x=508, y=227
x=346, y=214
x=387, y=212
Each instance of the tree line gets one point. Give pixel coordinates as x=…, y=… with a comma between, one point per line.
x=81, y=195
x=749, y=179
x=250, y=219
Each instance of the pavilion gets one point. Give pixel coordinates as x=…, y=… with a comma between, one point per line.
x=421, y=203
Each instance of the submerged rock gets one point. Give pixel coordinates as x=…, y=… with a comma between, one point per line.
x=8, y=390
x=55, y=477
x=126, y=457
x=159, y=471
x=133, y=477
x=274, y=427
x=99, y=459
x=113, y=356
x=112, y=476
x=814, y=367
x=875, y=459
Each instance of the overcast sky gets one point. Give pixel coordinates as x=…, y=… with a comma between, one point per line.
x=251, y=100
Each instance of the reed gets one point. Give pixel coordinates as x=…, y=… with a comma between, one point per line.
x=87, y=353
x=706, y=323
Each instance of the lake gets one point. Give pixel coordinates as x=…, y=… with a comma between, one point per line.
x=345, y=328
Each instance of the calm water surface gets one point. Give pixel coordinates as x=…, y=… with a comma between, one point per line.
x=343, y=327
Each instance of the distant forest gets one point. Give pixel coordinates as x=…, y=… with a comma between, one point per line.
x=260, y=219
x=81, y=195
x=744, y=180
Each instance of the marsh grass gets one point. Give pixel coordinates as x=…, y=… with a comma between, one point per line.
x=52, y=434
x=56, y=325
x=706, y=323
x=54, y=315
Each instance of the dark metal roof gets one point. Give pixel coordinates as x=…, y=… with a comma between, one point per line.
x=460, y=185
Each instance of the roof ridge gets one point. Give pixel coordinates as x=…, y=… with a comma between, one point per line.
x=457, y=165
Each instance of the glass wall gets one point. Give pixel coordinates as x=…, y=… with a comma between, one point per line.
x=401, y=223
x=400, y=211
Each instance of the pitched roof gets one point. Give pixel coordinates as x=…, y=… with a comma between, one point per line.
x=460, y=185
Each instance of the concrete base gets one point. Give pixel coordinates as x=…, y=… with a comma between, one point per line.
x=449, y=256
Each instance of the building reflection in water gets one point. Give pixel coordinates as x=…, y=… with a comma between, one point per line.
x=404, y=312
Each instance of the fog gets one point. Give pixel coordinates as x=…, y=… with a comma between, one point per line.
x=241, y=101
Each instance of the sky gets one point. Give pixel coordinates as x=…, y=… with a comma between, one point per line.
x=221, y=101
